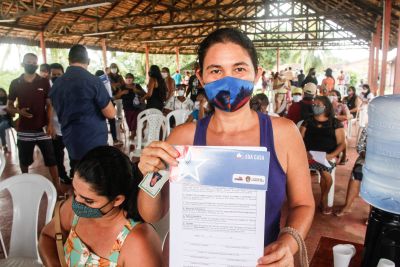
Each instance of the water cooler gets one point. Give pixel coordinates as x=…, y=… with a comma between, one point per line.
x=381, y=181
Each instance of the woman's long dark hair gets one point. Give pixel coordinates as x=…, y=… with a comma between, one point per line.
x=110, y=173
x=329, y=112
x=351, y=101
x=366, y=86
x=155, y=73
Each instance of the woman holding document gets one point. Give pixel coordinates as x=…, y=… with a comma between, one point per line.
x=323, y=132
x=228, y=71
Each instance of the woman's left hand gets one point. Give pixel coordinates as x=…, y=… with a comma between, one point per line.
x=329, y=157
x=277, y=254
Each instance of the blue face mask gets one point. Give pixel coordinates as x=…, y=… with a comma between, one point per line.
x=229, y=93
x=84, y=211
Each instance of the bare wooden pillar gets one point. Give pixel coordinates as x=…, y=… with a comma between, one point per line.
x=377, y=48
x=385, y=44
x=104, y=52
x=178, y=68
x=43, y=47
x=396, y=86
x=371, y=60
x=277, y=59
x=147, y=63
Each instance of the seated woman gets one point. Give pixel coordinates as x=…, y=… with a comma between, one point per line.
x=353, y=189
x=342, y=113
x=228, y=69
x=323, y=132
x=201, y=107
x=100, y=223
x=352, y=101
x=260, y=103
x=5, y=118
x=178, y=102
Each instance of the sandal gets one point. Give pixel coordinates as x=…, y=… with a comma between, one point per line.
x=341, y=213
x=327, y=211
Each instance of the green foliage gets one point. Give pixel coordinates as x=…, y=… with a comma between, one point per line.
x=267, y=58
x=353, y=79
x=7, y=76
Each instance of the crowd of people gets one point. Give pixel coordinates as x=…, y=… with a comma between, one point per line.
x=102, y=221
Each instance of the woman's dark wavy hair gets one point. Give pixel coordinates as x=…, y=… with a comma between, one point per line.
x=110, y=173
x=258, y=101
x=366, y=86
x=155, y=73
x=329, y=112
x=227, y=35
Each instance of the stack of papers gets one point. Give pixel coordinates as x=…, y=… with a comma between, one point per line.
x=217, y=206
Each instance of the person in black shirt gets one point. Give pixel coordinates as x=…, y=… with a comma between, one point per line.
x=194, y=85
x=131, y=93
x=300, y=78
x=310, y=78
x=323, y=133
x=5, y=118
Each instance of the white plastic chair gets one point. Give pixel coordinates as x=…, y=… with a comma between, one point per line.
x=11, y=139
x=26, y=191
x=157, y=130
x=180, y=116
x=149, y=111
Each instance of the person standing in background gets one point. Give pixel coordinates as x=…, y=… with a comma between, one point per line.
x=194, y=84
x=35, y=125
x=300, y=78
x=177, y=77
x=169, y=82
x=44, y=71
x=82, y=104
x=329, y=82
x=156, y=89
x=56, y=71
x=310, y=78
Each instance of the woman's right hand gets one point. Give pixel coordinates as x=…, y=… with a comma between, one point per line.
x=155, y=156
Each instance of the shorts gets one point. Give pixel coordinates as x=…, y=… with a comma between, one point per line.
x=313, y=165
x=357, y=172
x=25, y=152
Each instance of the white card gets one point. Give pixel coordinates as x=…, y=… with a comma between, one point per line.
x=153, y=182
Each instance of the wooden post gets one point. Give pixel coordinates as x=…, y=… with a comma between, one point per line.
x=104, y=52
x=43, y=47
x=277, y=59
x=396, y=86
x=147, y=63
x=371, y=60
x=385, y=43
x=178, y=68
x=377, y=48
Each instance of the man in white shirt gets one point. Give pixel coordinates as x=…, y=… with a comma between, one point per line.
x=179, y=102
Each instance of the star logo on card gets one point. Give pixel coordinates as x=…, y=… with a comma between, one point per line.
x=189, y=167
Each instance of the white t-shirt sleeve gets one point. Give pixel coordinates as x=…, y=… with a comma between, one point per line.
x=190, y=104
x=170, y=104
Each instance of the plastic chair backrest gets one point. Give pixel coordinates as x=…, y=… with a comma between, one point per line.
x=282, y=108
x=26, y=191
x=2, y=162
x=299, y=124
x=149, y=111
x=180, y=116
x=155, y=123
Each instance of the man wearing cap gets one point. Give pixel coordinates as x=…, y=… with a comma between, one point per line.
x=82, y=104
x=303, y=109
